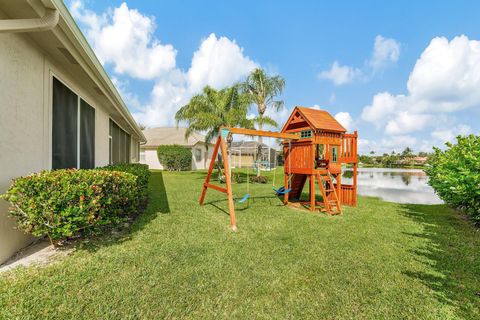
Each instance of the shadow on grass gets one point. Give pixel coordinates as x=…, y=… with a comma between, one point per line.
x=452, y=252
x=157, y=203
x=240, y=206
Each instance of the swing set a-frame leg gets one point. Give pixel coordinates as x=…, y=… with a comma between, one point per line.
x=228, y=190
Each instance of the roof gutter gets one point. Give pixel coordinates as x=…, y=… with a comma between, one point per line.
x=47, y=22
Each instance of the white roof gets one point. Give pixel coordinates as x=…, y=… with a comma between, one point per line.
x=171, y=135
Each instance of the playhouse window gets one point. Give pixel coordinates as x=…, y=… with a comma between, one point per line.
x=305, y=134
x=334, y=154
x=321, y=151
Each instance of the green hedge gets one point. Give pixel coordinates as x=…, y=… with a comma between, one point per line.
x=141, y=171
x=64, y=203
x=455, y=175
x=175, y=157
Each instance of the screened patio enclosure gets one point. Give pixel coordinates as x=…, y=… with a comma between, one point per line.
x=251, y=154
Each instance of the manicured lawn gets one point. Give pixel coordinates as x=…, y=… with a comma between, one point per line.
x=380, y=260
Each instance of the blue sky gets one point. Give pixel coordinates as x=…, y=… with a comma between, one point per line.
x=402, y=74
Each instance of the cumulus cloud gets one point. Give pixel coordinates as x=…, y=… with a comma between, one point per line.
x=345, y=120
x=218, y=62
x=339, y=74
x=124, y=38
x=449, y=134
x=385, y=51
x=444, y=79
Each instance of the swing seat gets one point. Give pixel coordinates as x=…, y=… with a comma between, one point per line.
x=245, y=198
x=281, y=190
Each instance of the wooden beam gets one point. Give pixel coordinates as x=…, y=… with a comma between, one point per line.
x=252, y=132
x=212, y=186
x=210, y=169
x=228, y=182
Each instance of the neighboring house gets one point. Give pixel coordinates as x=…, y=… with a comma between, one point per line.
x=58, y=107
x=420, y=160
x=167, y=136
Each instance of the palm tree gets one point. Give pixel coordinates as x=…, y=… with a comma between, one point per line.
x=213, y=109
x=262, y=90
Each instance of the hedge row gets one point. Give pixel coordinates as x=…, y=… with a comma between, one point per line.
x=175, y=157
x=65, y=203
x=141, y=171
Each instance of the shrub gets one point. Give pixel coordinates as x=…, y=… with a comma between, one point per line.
x=455, y=175
x=141, y=171
x=64, y=203
x=258, y=179
x=175, y=157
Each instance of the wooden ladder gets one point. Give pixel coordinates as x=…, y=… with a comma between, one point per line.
x=329, y=194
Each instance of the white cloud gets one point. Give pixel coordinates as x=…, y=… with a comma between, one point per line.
x=124, y=38
x=339, y=74
x=345, y=120
x=406, y=122
x=218, y=63
x=449, y=134
x=385, y=51
x=444, y=79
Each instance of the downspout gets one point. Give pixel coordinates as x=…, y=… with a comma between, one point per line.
x=47, y=22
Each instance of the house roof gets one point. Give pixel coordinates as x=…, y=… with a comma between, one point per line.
x=171, y=135
x=317, y=119
x=66, y=44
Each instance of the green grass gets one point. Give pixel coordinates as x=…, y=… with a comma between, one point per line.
x=179, y=260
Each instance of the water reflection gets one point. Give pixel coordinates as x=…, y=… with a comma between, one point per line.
x=396, y=185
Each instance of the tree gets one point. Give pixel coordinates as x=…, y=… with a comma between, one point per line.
x=213, y=109
x=407, y=153
x=455, y=175
x=262, y=90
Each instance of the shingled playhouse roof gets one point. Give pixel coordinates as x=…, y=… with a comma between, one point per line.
x=317, y=119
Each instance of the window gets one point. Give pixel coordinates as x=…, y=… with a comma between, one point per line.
x=119, y=144
x=73, y=130
x=334, y=154
x=142, y=155
x=321, y=151
x=198, y=154
x=306, y=134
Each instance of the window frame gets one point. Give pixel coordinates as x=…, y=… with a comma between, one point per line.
x=198, y=154
x=127, y=144
x=53, y=77
x=306, y=134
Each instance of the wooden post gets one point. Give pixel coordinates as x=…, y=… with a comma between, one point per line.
x=312, y=192
x=231, y=206
x=210, y=169
x=355, y=184
x=286, y=186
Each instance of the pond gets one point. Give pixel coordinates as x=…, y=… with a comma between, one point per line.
x=395, y=185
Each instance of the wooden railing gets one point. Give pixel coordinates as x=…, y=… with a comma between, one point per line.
x=348, y=149
x=348, y=195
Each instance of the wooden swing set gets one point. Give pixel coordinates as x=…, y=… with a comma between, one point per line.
x=315, y=147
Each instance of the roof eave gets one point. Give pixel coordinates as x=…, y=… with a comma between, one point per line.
x=100, y=72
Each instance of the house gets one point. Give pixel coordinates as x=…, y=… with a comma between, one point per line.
x=171, y=135
x=420, y=160
x=59, y=109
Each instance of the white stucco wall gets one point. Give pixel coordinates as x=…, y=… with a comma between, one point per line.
x=26, y=121
x=151, y=157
